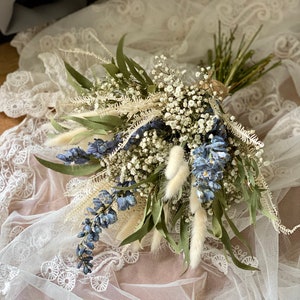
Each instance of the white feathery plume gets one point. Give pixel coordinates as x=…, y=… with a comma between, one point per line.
x=129, y=227
x=136, y=246
x=198, y=237
x=176, y=157
x=194, y=200
x=174, y=185
x=64, y=138
x=156, y=239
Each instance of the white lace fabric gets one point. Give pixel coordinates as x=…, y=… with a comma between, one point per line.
x=37, y=246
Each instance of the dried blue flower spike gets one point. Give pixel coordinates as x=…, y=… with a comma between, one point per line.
x=74, y=155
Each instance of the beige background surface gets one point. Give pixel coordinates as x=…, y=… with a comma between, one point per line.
x=8, y=63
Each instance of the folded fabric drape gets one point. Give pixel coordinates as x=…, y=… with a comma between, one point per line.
x=16, y=16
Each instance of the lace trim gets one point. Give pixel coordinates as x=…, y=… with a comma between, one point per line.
x=61, y=269
x=7, y=275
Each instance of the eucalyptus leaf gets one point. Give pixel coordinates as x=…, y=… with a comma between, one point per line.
x=112, y=121
x=76, y=170
x=112, y=70
x=120, y=58
x=57, y=126
x=83, y=81
x=140, y=233
x=228, y=246
x=157, y=207
x=89, y=124
x=184, y=239
x=162, y=228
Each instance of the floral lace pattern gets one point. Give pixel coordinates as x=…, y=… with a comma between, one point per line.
x=7, y=275
x=61, y=269
x=16, y=175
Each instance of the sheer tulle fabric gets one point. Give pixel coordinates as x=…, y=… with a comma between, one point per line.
x=37, y=258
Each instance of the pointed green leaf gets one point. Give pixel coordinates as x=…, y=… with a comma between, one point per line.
x=217, y=218
x=237, y=233
x=185, y=240
x=120, y=58
x=157, y=207
x=83, y=81
x=57, y=126
x=112, y=70
x=77, y=170
x=140, y=233
x=227, y=243
x=134, y=72
x=112, y=121
x=143, y=72
x=162, y=228
x=89, y=124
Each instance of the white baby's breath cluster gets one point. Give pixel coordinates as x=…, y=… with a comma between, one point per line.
x=185, y=107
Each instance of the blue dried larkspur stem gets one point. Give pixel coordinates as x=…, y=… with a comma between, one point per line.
x=74, y=155
x=210, y=160
x=103, y=215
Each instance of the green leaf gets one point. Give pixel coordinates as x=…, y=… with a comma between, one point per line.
x=184, y=243
x=57, y=126
x=109, y=120
x=83, y=81
x=217, y=218
x=134, y=72
x=227, y=244
x=162, y=228
x=237, y=233
x=140, y=233
x=112, y=70
x=77, y=170
x=80, y=136
x=143, y=72
x=157, y=207
x=151, y=88
x=179, y=213
x=89, y=124
x=120, y=58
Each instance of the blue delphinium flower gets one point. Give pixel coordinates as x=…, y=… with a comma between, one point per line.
x=126, y=198
x=124, y=202
x=74, y=155
x=99, y=147
x=209, y=162
x=103, y=216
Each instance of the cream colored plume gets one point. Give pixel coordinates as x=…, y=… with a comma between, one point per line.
x=198, y=236
x=176, y=172
x=129, y=227
x=156, y=239
x=64, y=138
x=174, y=185
x=176, y=158
x=194, y=200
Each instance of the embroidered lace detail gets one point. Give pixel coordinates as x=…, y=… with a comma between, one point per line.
x=7, y=275
x=212, y=256
x=17, y=178
x=248, y=14
x=287, y=46
x=259, y=104
x=61, y=269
